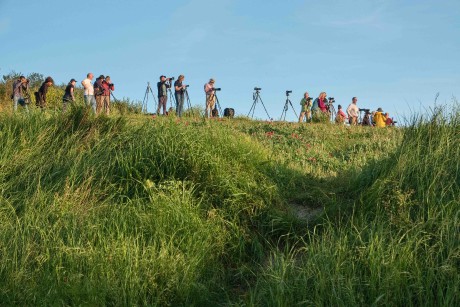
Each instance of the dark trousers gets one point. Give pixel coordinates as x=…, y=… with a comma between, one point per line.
x=179, y=103
x=162, y=101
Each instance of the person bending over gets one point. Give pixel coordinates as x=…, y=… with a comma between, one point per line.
x=42, y=92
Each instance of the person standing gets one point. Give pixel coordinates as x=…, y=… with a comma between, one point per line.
x=179, y=93
x=321, y=102
x=163, y=86
x=210, y=97
x=98, y=93
x=20, y=89
x=341, y=116
x=89, y=91
x=379, y=118
x=107, y=88
x=69, y=96
x=389, y=120
x=42, y=92
x=306, y=105
x=353, y=112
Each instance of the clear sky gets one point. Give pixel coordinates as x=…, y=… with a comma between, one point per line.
x=391, y=54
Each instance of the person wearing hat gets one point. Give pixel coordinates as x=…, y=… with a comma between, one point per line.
x=42, y=91
x=179, y=93
x=89, y=91
x=367, y=121
x=379, y=118
x=210, y=97
x=68, y=94
x=163, y=86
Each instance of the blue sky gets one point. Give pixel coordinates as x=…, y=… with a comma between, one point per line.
x=391, y=54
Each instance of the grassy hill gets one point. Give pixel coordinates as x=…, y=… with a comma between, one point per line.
x=132, y=210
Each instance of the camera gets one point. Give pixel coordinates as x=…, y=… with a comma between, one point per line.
x=172, y=78
x=187, y=85
x=309, y=99
x=216, y=89
x=331, y=99
x=257, y=89
x=365, y=110
x=288, y=92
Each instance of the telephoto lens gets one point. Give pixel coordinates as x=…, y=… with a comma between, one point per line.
x=217, y=89
x=288, y=92
x=257, y=89
x=187, y=85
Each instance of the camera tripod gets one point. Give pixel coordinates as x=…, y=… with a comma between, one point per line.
x=256, y=98
x=217, y=105
x=171, y=98
x=146, y=98
x=286, y=107
x=189, y=105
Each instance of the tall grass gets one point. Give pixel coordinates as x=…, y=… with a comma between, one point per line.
x=399, y=244
x=139, y=211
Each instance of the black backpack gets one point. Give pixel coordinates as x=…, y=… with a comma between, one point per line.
x=229, y=112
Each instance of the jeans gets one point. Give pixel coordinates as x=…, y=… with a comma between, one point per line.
x=21, y=101
x=91, y=101
x=179, y=103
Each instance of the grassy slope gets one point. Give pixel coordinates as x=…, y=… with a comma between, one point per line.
x=134, y=211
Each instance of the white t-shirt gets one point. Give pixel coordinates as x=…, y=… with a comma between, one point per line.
x=89, y=89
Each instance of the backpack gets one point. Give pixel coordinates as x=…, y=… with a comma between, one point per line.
x=229, y=112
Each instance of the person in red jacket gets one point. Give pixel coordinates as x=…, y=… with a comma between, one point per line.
x=107, y=86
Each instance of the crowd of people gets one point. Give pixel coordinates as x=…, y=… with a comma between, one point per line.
x=322, y=106
x=97, y=96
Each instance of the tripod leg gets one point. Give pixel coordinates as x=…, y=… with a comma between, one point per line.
x=293, y=108
x=145, y=101
x=269, y=118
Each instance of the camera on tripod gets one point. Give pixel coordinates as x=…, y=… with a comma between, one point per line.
x=309, y=99
x=216, y=89
x=187, y=85
x=257, y=88
x=171, y=78
x=331, y=100
x=288, y=92
x=365, y=110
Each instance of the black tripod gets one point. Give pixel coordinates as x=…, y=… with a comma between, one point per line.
x=172, y=98
x=256, y=98
x=146, y=98
x=286, y=107
x=217, y=104
x=189, y=105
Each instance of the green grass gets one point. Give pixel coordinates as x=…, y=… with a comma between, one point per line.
x=127, y=210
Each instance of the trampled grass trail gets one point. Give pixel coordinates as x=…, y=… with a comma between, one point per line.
x=130, y=210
